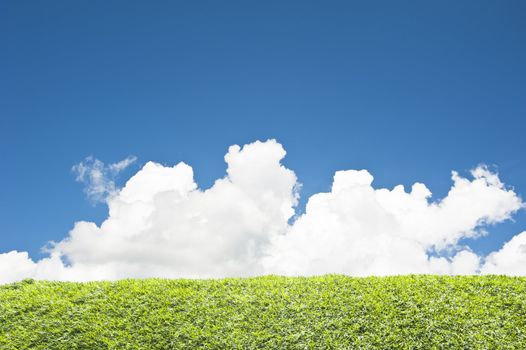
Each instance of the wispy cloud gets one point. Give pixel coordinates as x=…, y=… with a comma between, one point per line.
x=98, y=178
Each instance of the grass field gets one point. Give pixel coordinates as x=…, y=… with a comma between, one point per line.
x=329, y=312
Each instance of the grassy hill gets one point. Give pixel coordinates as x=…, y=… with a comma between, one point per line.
x=329, y=312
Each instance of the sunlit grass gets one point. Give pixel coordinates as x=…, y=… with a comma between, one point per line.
x=329, y=312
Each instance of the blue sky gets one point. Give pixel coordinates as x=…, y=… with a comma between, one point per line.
x=409, y=90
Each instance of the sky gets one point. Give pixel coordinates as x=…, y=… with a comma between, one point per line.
x=407, y=90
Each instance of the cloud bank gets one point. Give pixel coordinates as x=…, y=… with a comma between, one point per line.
x=160, y=224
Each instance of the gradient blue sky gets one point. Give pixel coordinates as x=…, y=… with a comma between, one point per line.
x=408, y=90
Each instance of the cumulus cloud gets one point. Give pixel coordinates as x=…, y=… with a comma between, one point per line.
x=359, y=230
x=99, y=179
x=161, y=224
x=14, y=266
x=510, y=259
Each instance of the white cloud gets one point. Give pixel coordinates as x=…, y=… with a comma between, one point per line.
x=161, y=224
x=99, y=179
x=15, y=265
x=358, y=230
x=510, y=259
x=116, y=168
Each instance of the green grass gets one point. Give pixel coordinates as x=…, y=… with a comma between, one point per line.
x=329, y=312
